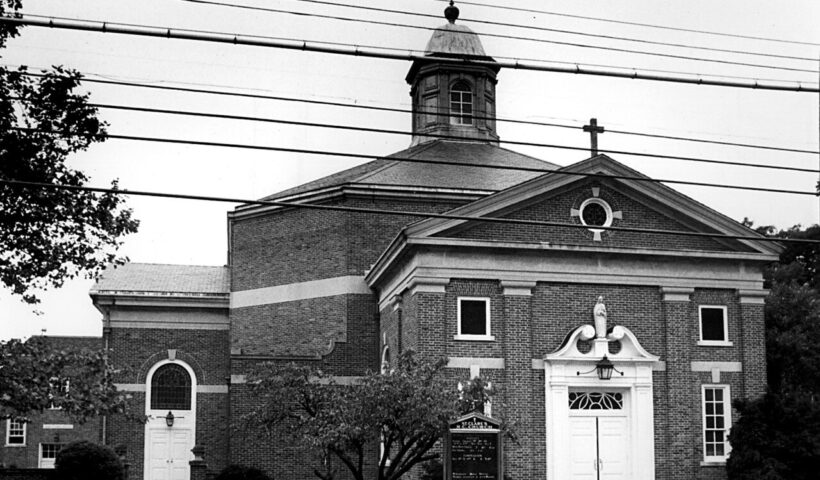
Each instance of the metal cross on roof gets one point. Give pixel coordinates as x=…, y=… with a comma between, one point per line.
x=593, y=130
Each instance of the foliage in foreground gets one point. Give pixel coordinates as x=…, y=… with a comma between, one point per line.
x=49, y=235
x=239, y=472
x=88, y=461
x=34, y=377
x=777, y=437
x=408, y=409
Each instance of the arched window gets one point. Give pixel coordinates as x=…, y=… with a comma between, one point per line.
x=461, y=104
x=171, y=388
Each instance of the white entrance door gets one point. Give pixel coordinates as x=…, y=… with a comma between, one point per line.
x=169, y=453
x=598, y=447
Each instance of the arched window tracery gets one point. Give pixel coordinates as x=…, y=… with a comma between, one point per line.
x=171, y=388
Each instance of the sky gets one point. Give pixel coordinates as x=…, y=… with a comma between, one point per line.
x=190, y=232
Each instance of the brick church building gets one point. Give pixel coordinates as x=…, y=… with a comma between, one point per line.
x=531, y=307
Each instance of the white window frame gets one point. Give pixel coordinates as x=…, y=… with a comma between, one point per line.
x=457, y=107
x=727, y=423
x=487, y=323
x=50, y=464
x=8, y=434
x=714, y=343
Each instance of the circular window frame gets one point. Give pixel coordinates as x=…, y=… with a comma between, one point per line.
x=603, y=204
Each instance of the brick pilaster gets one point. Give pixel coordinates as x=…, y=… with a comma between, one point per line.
x=518, y=377
x=753, y=341
x=675, y=457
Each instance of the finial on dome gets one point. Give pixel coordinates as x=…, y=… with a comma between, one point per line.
x=451, y=13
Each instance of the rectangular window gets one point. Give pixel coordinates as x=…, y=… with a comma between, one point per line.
x=48, y=454
x=473, y=319
x=15, y=433
x=714, y=325
x=717, y=419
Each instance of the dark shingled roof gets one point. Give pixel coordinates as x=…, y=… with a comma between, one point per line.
x=73, y=344
x=162, y=278
x=397, y=173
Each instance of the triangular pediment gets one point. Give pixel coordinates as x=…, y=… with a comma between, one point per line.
x=615, y=195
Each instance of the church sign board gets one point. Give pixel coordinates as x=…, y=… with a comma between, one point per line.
x=472, y=449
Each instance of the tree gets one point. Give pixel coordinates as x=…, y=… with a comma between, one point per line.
x=34, y=377
x=777, y=437
x=407, y=410
x=50, y=235
x=84, y=460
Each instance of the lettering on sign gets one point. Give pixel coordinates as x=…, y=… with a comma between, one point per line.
x=474, y=456
x=473, y=424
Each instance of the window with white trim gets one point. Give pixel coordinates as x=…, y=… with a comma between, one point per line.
x=714, y=325
x=48, y=454
x=461, y=104
x=15, y=433
x=717, y=420
x=171, y=388
x=474, y=319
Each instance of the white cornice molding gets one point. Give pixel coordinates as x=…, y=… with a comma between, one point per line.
x=160, y=300
x=428, y=285
x=361, y=189
x=401, y=244
x=677, y=294
x=753, y=297
x=677, y=275
x=521, y=288
x=326, y=287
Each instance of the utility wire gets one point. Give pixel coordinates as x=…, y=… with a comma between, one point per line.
x=440, y=111
x=375, y=130
x=404, y=213
x=356, y=50
x=531, y=39
x=517, y=59
x=637, y=24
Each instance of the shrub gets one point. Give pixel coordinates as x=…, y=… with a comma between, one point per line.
x=238, y=472
x=88, y=461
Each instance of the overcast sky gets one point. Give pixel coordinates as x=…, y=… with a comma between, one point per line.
x=188, y=232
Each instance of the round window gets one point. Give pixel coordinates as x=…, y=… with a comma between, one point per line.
x=596, y=213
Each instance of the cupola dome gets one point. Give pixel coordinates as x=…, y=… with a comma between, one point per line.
x=453, y=87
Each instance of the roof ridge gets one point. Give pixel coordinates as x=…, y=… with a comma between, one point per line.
x=172, y=265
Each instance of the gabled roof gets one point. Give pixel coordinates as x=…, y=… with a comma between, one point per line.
x=688, y=212
x=392, y=171
x=674, y=201
x=154, y=278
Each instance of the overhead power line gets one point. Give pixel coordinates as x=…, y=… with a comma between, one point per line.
x=440, y=111
x=637, y=24
x=403, y=213
x=374, y=130
x=355, y=50
x=533, y=39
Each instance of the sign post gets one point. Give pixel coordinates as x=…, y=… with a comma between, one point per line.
x=473, y=449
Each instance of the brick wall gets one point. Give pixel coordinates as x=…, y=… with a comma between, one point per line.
x=207, y=352
x=557, y=209
x=529, y=327
x=41, y=429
